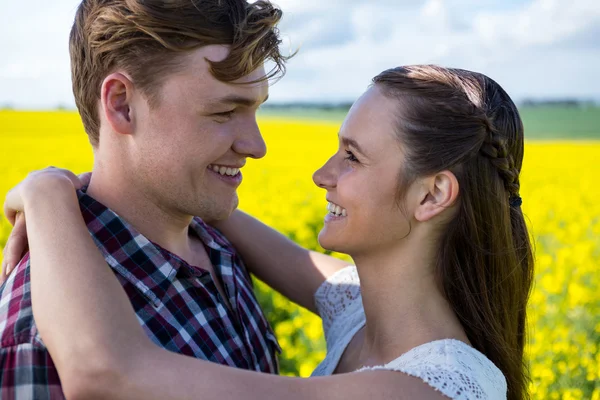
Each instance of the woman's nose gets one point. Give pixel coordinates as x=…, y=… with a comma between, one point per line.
x=325, y=176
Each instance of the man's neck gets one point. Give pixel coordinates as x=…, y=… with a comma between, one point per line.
x=158, y=224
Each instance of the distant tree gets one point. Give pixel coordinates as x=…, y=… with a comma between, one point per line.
x=562, y=103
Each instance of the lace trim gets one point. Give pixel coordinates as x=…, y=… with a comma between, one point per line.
x=336, y=295
x=452, y=367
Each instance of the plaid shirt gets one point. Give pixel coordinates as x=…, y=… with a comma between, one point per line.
x=177, y=304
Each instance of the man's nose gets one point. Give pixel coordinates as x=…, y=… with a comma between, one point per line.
x=250, y=141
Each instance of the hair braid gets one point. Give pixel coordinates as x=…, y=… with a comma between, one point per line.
x=494, y=148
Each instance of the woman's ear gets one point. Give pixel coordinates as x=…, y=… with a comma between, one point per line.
x=116, y=98
x=439, y=194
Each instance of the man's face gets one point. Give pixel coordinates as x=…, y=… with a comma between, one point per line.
x=187, y=150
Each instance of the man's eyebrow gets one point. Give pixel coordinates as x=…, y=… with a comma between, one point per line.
x=238, y=100
x=346, y=141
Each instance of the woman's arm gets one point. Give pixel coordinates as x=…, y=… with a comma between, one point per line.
x=287, y=267
x=159, y=374
x=68, y=268
x=100, y=350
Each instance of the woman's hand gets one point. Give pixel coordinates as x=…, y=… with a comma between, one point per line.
x=35, y=186
x=16, y=246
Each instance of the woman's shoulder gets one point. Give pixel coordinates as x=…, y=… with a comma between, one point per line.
x=452, y=367
x=339, y=303
x=338, y=295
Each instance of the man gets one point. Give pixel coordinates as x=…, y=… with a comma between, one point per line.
x=167, y=92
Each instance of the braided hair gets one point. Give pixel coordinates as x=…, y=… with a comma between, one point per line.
x=465, y=122
x=494, y=148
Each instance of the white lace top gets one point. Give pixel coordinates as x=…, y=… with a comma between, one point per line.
x=450, y=366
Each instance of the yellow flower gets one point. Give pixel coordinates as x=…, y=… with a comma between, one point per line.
x=560, y=201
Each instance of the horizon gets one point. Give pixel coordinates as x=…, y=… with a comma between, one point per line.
x=345, y=105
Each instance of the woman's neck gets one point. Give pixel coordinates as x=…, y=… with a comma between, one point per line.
x=403, y=302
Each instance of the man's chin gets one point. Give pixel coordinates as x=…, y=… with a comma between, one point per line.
x=235, y=202
x=220, y=214
x=220, y=217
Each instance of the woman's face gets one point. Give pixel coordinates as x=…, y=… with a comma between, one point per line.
x=361, y=180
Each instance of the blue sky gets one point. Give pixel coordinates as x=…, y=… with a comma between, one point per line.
x=534, y=48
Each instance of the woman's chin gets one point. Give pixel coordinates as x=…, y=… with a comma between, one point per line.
x=330, y=241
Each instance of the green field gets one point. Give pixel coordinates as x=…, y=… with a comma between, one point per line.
x=540, y=122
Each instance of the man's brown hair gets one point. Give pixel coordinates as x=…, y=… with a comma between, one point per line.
x=148, y=39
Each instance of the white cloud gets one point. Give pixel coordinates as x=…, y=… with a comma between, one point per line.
x=539, y=48
x=532, y=47
x=542, y=22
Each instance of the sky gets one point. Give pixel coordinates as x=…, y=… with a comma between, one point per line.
x=541, y=49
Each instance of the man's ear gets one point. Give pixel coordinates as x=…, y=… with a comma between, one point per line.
x=116, y=95
x=440, y=192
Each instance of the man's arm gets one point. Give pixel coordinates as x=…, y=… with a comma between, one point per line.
x=287, y=267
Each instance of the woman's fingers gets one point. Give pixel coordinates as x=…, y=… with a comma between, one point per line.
x=85, y=178
x=14, y=198
x=13, y=203
x=16, y=246
x=17, y=242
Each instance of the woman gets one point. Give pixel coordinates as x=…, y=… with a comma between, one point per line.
x=423, y=194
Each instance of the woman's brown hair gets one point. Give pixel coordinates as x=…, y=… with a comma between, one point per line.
x=462, y=121
x=148, y=39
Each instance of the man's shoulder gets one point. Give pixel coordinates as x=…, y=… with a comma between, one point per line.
x=17, y=325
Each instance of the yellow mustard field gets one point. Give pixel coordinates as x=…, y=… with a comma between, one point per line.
x=561, y=199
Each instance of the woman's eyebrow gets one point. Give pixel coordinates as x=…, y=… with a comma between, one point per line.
x=346, y=141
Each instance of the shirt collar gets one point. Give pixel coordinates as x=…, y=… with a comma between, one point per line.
x=146, y=265
x=210, y=236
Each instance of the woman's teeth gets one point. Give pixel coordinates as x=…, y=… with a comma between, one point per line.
x=336, y=210
x=224, y=170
